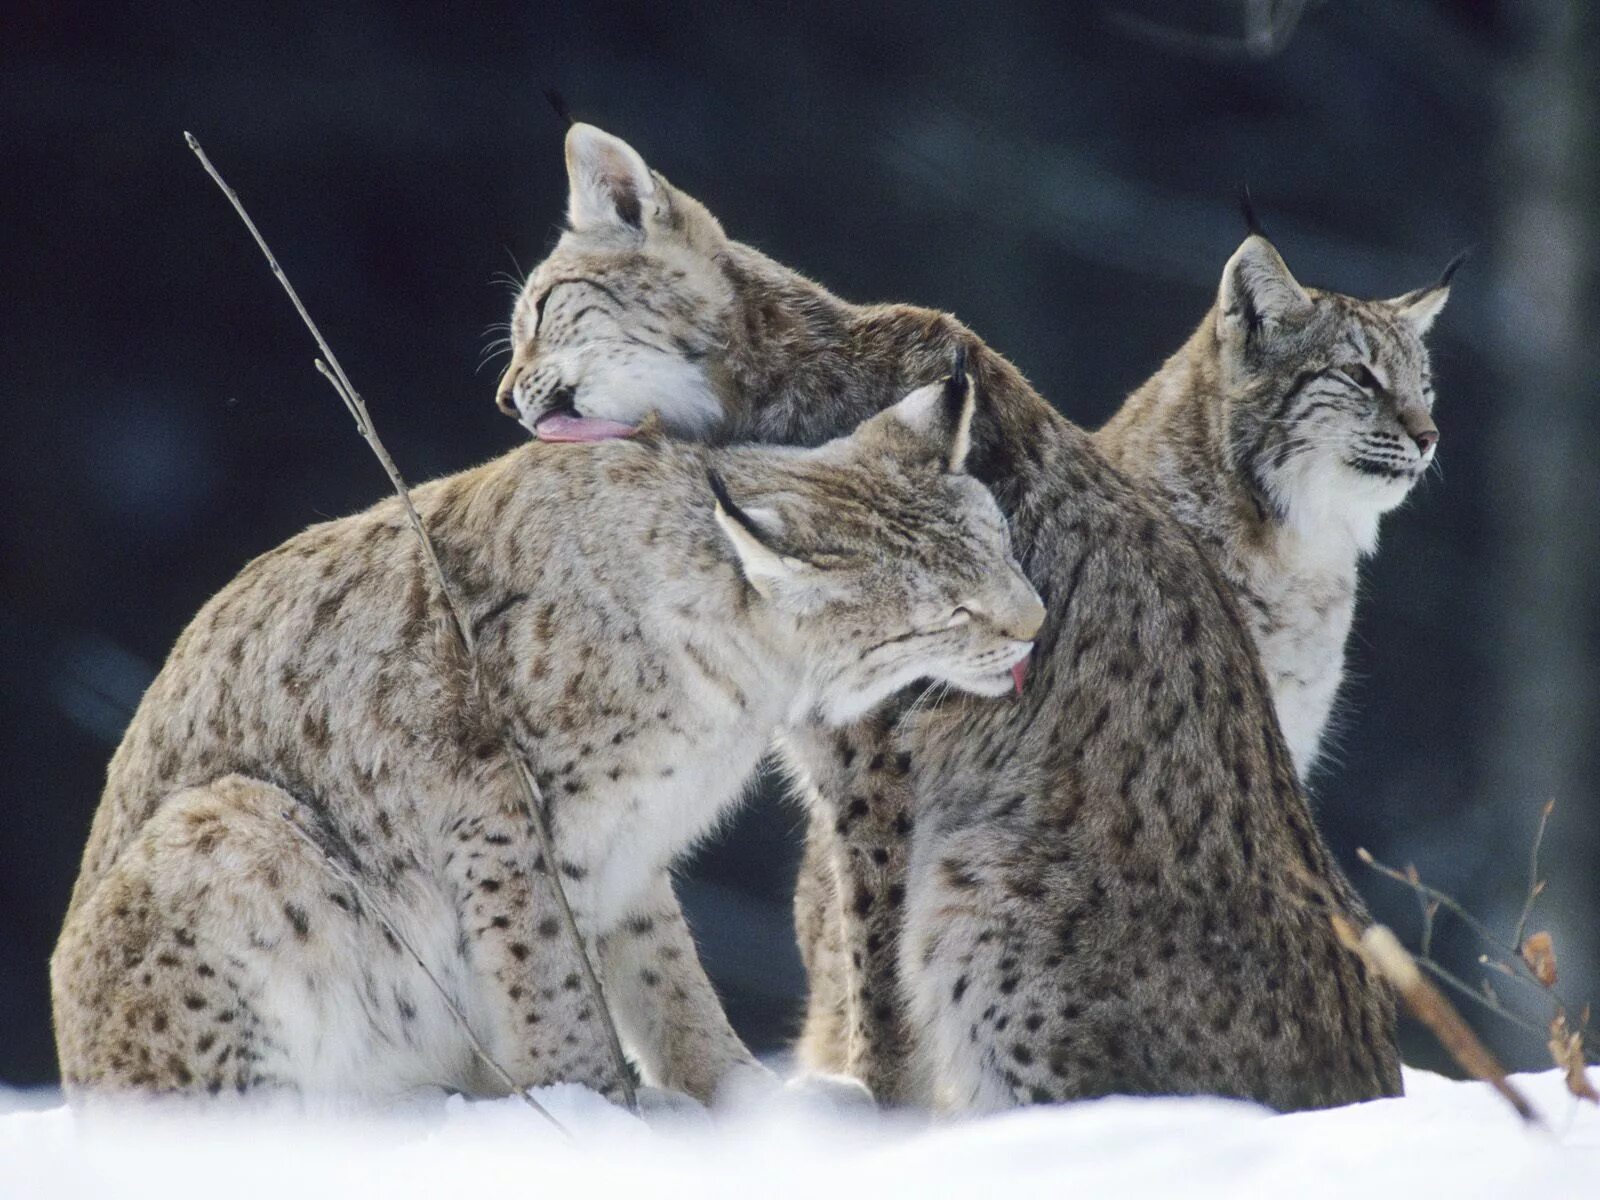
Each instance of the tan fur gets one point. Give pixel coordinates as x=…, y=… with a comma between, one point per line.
x=1114, y=885
x=1279, y=445
x=623, y=643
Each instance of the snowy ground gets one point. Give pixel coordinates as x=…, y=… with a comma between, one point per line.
x=1443, y=1139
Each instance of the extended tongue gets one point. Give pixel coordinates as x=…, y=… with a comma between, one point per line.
x=1019, y=672
x=569, y=427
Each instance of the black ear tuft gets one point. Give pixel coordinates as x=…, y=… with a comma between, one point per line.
x=1248, y=209
x=955, y=388
x=1452, y=267
x=560, y=106
x=729, y=506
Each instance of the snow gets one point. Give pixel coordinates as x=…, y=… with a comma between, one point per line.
x=1443, y=1139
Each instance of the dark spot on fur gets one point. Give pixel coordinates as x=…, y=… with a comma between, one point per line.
x=298, y=921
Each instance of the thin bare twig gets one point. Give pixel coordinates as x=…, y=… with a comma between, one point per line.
x=1430, y=910
x=527, y=785
x=1535, y=884
x=1486, y=998
x=1451, y=904
x=1515, y=967
x=348, y=877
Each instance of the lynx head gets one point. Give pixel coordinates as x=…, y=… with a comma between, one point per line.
x=893, y=564
x=1328, y=398
x=627, y=314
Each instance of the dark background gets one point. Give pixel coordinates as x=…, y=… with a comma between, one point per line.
x=1061, y=176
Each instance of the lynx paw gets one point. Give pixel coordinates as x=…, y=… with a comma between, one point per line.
x=836, y=1095
x=747, y=1086
x=663, y=1108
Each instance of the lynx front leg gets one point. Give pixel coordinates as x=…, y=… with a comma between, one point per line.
x=824, y=1045
x=861, y=783
x=540, y=1021
x=666, y=1009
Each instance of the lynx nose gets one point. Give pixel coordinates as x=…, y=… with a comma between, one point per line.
x=1029, y=617
x=1420, y=428
x=505, y=392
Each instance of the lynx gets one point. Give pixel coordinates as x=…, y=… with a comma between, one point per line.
x=1112, y=884
x=1280, y=433
x=646, y=614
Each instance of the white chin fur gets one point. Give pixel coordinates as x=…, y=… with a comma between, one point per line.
x=983, y=685
x=1330, y=503
x=988, y=686
x=627, y=384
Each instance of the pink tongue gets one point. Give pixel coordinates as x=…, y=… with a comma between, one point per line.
x=1019, y=672
x=567, y=427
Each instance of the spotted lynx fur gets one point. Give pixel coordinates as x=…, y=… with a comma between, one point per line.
x=1279, y=434
x=1111, y=885
x=640, y=641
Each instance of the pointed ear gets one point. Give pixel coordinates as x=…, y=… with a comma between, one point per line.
x=1423, y=305
x=608, y=183
x=941, y=414
x=766, y=570
x=1258, y=295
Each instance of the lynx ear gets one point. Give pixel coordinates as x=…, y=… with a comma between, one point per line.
x=764, y=568
x=1423, y=305
x=608, y=183
x=1258, y=293
x=941, y=413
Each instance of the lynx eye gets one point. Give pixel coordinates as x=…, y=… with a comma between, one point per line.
x=1361, y=375
x=960, y=617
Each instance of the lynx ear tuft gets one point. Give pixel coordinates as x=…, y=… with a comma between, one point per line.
x=558, y=102
x=764, y=568
x=1451, y=267
x=960, y=403
x=1258, y=294
x=1247, y=209
x=608, y=183
x=941, y=414
x=1423, y=305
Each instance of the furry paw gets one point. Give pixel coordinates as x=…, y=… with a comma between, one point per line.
x=749, y=1085
x=663, y=1108
x=835, y=1095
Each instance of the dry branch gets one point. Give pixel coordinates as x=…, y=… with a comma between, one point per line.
x=528, y=787
x=1512, y=963
x=1383, y=952
x=1529, y=959
x=1535, y=884
x=1566, y=1047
